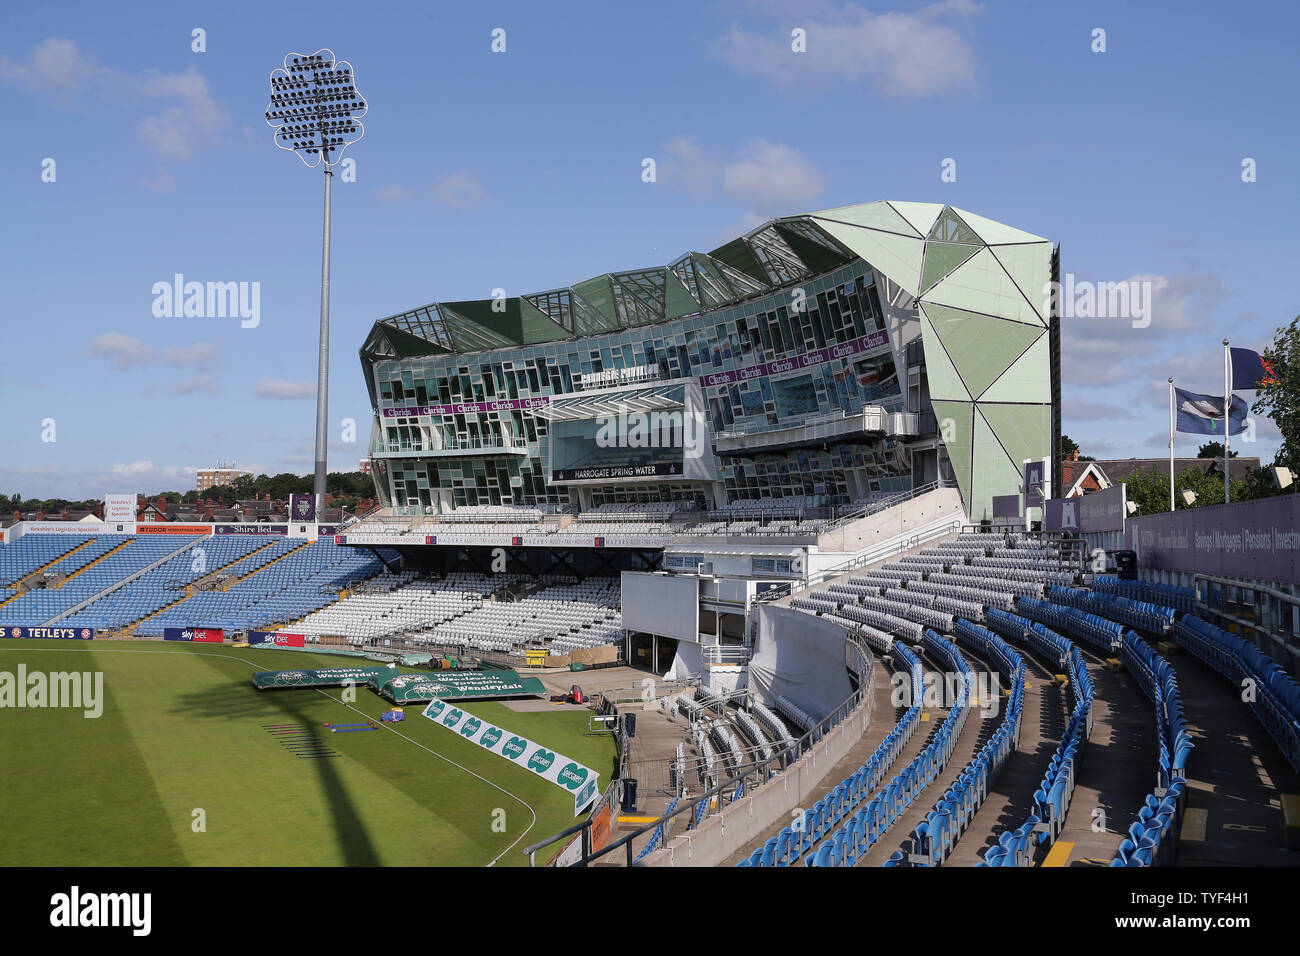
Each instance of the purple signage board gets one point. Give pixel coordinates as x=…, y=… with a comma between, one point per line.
x=1248, y=539
x=1006, y=506
x=817, y=356
x=1034, y=483
x=302, y=507
x=469, y=408
x=250, y=529
x=1100, y=511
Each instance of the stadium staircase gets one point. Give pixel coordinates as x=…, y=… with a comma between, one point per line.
x=91, y=564
x=193, y=587
x=26, y=582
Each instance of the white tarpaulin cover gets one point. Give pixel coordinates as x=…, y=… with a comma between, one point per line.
x=801, y=658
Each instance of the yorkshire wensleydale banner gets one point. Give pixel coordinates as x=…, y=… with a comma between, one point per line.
x=1249, y=539
x=320, y=677
x=582, y=782
x=459, y=685
x=278, y=638
x=1099, y=511
x=199, y=635
x=49, y=633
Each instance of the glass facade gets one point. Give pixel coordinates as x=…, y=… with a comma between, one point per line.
x=731, y=351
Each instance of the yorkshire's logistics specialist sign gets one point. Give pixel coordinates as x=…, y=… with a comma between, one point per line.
x=50, y=633
x=320, y=677
x=460, y=684
x=199, y=635
x=582, y=782
x=278, y=638
x=119, y=508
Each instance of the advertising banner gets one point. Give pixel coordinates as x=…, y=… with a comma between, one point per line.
x=661, y=469
x=278, y=638
x=49, y=633
x=1248, y=539
x=816, y=357
x=320, y=677
x=1099, y=511
x=1006, y=506
x=469, y=408
x=199, y=635
x=163, y=527
x=250, y=529
x=459, y=685
x=302, y=507
x=582, y=782
x=1035, y=481
x=119, y=508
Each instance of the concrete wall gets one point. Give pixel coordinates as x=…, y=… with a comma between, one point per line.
x=720, y=835
x=901, y=518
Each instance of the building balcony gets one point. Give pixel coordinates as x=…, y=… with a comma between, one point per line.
x=451, y=448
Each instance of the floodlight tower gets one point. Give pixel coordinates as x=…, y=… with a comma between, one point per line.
x=315, y=111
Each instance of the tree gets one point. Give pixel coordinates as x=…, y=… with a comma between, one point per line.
x=1068, y=446
x=1280, y=398
x=1212, y=449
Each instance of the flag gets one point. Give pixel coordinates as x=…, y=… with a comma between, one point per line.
x=1203, y=414
x=1250, y=369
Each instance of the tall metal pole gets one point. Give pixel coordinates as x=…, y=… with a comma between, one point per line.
x=1171, y=445
x=1227, y=424
x=323, y=373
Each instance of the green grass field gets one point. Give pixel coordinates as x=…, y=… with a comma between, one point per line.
x=181, y=730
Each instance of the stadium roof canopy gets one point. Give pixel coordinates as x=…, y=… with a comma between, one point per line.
x=914, y=244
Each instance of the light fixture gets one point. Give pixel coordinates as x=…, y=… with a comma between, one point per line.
x=1282, y=478
x=1189, y=497
x=316, y=112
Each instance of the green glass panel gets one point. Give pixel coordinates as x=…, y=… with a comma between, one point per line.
x=949, y=228
x=956, y=433
x=980, y=346
x=941, y=258
x=872, y=215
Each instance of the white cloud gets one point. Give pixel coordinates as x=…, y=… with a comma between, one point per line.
x=125, y=352
x=187, y=120
x=393, y=195
x=772, y=177
x=122, y=350
x=904, y=54
x=687, y=165
x=200, y=383
x=459, y=191
x=280, y=389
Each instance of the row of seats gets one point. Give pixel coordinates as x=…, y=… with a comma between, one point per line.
x=1276, y=699
x=1152, y=618
x=866, y=827
x=1056, y=791
x=1153, y=838
x=936, y=837
x=1105, y=636
x=32, y=551
x=794, y=842
x=1178, y=598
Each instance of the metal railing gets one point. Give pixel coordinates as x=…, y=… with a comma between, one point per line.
x=735, y=785
x=1253, y=610
x=879, y=553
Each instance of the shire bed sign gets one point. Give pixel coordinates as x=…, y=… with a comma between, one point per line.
x=582, y=782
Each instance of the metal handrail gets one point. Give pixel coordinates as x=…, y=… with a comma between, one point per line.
x=803, y=744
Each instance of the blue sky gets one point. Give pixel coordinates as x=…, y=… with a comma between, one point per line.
x=522, y=170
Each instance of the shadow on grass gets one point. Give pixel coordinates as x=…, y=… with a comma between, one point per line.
x=242, y=701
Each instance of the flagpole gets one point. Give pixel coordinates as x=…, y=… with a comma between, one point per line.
x=1227, y=424
x=1171, y=444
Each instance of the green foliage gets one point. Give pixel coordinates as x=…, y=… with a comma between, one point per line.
x=1213, y=449
x=1280, y=400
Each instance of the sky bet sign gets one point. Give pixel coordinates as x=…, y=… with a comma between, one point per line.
x=51, y=633
x=202, y=635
